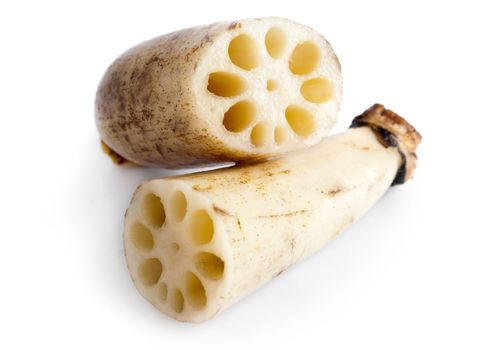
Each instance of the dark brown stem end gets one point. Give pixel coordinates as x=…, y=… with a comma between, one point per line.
x=392, y=130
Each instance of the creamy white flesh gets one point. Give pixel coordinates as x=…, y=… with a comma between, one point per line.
x=253, y=222
x=280, y=86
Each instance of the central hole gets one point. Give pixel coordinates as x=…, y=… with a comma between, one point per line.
x=175, y=247
x=272, y=85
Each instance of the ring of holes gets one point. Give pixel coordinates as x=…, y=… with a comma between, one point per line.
x=150, y=270
x=243, y=52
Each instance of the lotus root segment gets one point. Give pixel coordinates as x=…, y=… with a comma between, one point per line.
x=236, y=91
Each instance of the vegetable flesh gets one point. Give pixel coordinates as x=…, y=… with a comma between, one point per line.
x=244, y=225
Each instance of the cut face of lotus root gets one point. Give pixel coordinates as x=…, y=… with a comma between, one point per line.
x=233, y=92
x=279, y=86
x=176, y=251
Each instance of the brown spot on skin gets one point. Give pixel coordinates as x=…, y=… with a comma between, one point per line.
x=292, y=213
x=334, y=191
x=244, y=178
x=287, y=171
x=207, y=37
x=365, y=148
x=234, y=25
x=278, y=274
x=221, y=211
x=159, y=150
x=202, y=189
x=337, y=190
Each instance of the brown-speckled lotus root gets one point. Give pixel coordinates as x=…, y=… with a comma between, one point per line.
x=236, y=91
x=198, y=243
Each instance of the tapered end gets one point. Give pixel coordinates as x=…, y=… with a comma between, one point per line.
x=393, y=131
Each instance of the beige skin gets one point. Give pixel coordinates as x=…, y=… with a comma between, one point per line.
x=196, y=244
x=162, y=102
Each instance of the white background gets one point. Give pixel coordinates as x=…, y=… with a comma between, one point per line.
x=414, y=273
